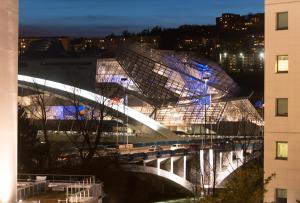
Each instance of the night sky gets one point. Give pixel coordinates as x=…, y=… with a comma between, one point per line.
x=91, y=18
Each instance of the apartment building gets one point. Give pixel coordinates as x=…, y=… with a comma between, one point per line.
x=282, y=100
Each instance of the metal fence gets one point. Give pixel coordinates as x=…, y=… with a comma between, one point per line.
x=77, y=188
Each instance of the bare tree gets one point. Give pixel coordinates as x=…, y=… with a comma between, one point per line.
x=31, y=154
x=248, y=129
x=88, y=126
x=38, y=110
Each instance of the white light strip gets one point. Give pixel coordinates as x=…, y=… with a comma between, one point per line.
x=156, y=126
x=201, y=164
x=221, y=161
x=211, y=165
x=172, y=165
x=184, y=167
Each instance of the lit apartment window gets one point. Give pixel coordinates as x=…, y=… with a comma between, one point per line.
x=281, y=196
x=282, y=150
x=282, y=64
x=282, y=21
x=281, y=107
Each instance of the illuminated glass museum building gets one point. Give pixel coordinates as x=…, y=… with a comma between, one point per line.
x=184, y=93
x=180, y=91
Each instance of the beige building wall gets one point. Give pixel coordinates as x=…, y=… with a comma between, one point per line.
x=8, y=99
x=282, y=85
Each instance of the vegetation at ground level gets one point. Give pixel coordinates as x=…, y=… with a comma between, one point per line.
x=32, y=154
x=246, y=185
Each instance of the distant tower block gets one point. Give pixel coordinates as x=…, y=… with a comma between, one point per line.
x=8, y=99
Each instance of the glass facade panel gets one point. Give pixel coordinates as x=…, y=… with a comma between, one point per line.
x=282, y=21
x=281, y=150
x=282, y=64
x=281, y=196
x=282, y=107
x=172, y=85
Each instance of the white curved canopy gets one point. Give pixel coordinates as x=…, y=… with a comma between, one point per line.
x=154, y=125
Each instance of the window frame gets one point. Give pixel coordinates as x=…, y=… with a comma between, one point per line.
x=282, y=115
x=277, y=192
x=277, y=20
x=277, y=63
x=281, y=158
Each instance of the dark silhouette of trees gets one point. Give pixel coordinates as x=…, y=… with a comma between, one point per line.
x=88, y=125
x=39, y=110
x=31, y=153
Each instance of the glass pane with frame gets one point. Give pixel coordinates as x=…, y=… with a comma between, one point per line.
x=281, y=150
x=281, y=196
x=282, y=64
x=282, y=107
x=282, y=21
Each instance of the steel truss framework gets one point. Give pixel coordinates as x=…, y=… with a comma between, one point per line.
x=176, y=89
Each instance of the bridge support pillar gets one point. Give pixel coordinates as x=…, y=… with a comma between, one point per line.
x=240, y=156
x=211, y=167
x=220, y=161
x=172, y=165
x=201, y=159
x=230, y=158
x=158, y=165
x=184, y=167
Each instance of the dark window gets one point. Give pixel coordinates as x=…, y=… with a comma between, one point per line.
x=282, y=107
x=281, y=196
x=282, y=21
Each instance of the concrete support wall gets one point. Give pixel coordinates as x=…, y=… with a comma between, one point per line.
x=178, y=167
x=8, y=91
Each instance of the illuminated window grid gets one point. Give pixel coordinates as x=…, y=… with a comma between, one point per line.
x=185, y=90
x=151, y=84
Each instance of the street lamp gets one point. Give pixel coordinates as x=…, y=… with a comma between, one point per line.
x=261, y=55
x=123, y=80
x=205, y=78
x=243, y=57
x=154, y=42
x=261, y=58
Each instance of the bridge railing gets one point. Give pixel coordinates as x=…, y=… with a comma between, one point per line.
x=78, y=188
